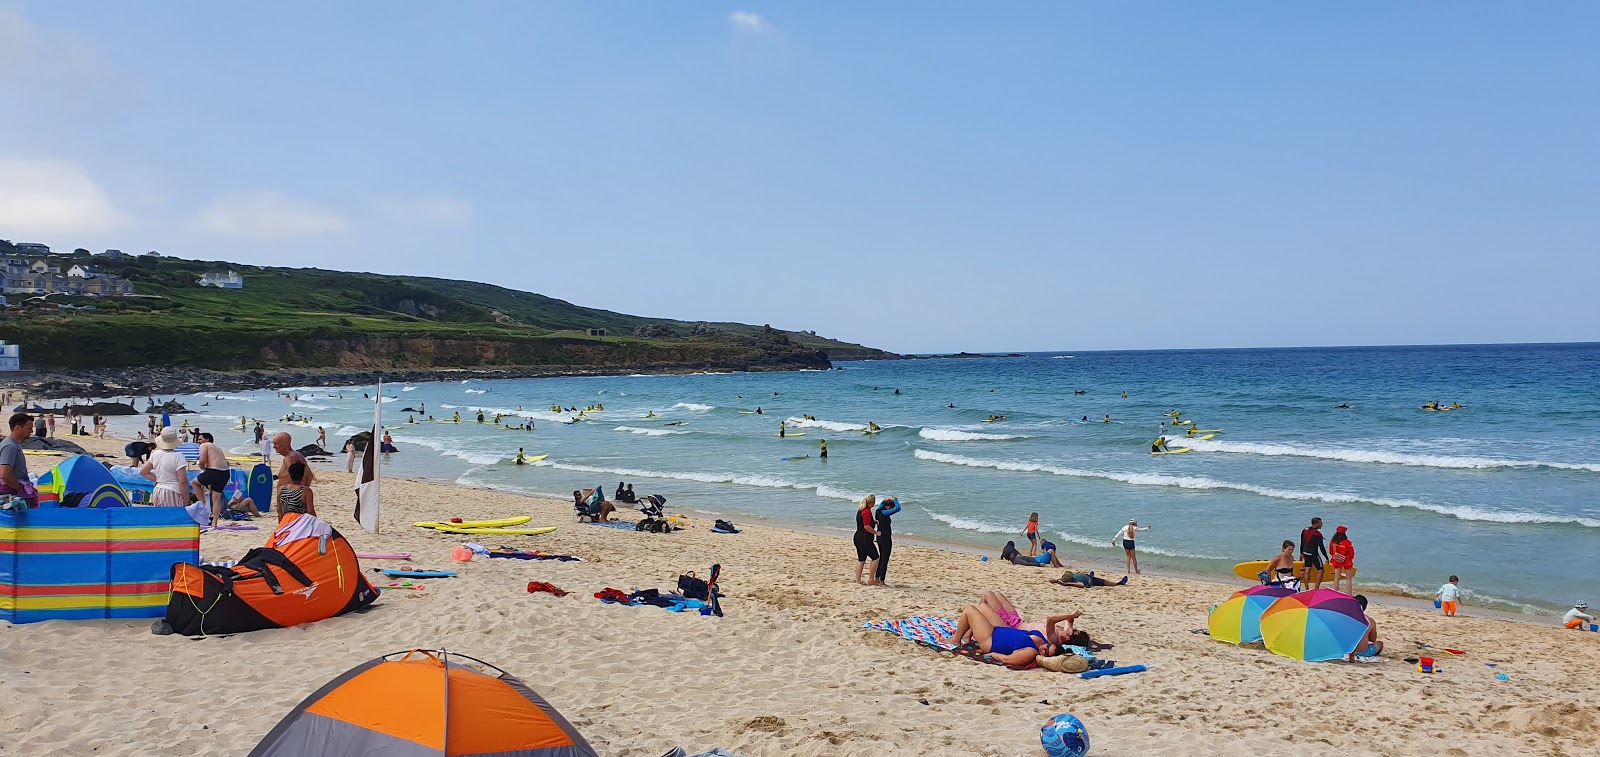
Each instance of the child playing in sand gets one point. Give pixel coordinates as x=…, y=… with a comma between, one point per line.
x=1448, y=595
x=1576, y=617
x=1032, y=532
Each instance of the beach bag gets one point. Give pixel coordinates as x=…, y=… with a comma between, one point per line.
x=29, y=491
x=693, y=588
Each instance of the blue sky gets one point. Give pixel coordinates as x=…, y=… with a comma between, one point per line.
x=915, y=176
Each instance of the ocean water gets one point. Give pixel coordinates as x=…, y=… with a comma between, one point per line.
x=1504, y=493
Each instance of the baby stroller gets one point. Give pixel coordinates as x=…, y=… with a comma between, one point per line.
x=654, y=520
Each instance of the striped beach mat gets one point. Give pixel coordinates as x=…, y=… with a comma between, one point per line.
x=922, y=629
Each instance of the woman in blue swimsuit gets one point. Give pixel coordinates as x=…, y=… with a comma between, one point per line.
x=1003, y=644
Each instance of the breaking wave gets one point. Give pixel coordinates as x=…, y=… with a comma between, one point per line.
x=1201, y=482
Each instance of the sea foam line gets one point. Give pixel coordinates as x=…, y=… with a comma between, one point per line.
x=695, y=406
x=649, y=431
x=1201, y=482
x=984, y=527
x=765, y=482
x=453, y=450
x=956, y=435
x=1378, y=456
x=829, y=425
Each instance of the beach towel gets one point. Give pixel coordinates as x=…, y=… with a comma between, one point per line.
x=538, y=586
x=619, y=524
x=922, y=629
x=518, y=554
x=927, y=630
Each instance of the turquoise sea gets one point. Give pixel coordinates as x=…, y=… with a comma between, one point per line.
x=1505, y=492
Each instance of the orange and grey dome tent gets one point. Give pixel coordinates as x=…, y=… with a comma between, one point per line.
x=422, y=703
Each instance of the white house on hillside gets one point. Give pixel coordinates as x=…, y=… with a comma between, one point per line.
x=229, y=280
x=10, y=356
x=79, y=272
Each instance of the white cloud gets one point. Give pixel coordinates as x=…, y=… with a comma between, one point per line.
x=266, y=214
x=434, y=209
x=748, y=21
x=43, y=196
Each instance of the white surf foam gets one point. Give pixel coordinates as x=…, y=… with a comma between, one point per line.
x=829, y=425
x=475, y=391
x=649, y=431
x=451, y=449
x=695, y=406
x=1200, y=482
x=1377, y=456
x=955, y=435
x=988, y=527
x=409, y=389
x=309, y=406
x=765, y=482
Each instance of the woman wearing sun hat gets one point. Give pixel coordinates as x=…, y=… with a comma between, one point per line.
x=169, y=470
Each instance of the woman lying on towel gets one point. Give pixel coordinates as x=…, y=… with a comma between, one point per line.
x=1001, y=643
x=1046, y=558
x=999, y=610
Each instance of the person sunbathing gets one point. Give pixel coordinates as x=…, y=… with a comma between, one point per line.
x=1058, y=629
x=1045, y=559
x=1085, y=580
x=1001, y=643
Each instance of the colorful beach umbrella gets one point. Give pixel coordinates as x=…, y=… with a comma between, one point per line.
x=1238, y=620
x=1316, y=625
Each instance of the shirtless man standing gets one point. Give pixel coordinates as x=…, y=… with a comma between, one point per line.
x=214, y=476
x=283, y=444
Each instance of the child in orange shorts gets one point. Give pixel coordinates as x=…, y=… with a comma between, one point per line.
x=1448, y=595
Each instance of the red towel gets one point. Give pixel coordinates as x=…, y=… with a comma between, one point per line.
x=536, y=586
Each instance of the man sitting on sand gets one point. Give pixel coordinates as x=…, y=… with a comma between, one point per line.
x=1369, y=646
x=1085, y=580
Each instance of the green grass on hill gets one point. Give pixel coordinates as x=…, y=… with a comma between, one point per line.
x=319, y=318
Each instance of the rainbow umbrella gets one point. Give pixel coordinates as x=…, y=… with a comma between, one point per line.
x=1316, y=625
x=1238, y=620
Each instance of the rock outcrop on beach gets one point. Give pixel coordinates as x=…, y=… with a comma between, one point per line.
x=100, y=408
x=53, y=445
x=170, y=407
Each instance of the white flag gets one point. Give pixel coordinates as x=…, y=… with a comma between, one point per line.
x=370, y=475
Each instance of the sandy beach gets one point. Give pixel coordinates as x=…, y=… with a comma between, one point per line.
x=790, y=670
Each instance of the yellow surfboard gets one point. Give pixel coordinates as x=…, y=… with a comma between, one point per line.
x=1250, y=569
x=500, y=523
x=498, y=531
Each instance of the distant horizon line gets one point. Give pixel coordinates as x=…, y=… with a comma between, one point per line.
x=1004, y=353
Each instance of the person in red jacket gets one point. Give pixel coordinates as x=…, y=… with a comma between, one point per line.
x=1342, y=558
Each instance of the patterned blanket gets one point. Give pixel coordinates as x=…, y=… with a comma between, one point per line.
x=927, y=630
x=922, y=629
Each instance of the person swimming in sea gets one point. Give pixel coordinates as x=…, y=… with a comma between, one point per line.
x=1345, y=406
x=1159, y=445
x=759, y=411
x=521, y=458
x=951, y=405
x=1108, y=419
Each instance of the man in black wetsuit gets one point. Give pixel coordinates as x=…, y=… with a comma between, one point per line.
x=1313, y=552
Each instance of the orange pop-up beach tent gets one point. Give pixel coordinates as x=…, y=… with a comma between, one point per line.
x=422, y=704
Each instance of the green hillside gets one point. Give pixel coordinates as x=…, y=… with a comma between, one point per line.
x=314, y=318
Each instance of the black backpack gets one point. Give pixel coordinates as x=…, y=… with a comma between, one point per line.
x=693, y=588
